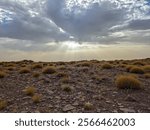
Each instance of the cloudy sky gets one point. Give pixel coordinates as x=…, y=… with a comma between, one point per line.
x=54, y=30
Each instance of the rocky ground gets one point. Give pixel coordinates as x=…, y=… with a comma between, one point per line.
x=91, y=87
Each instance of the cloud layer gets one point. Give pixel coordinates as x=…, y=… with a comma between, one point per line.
x=93, y=21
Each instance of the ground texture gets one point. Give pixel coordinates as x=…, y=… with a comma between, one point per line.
x=86, y=82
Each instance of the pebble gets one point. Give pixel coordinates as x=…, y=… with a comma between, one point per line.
x=127, y=110
x=68, y=108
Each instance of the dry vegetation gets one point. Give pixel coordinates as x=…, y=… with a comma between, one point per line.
x=49, y=70
x=127, y=82
x=30, y=90
x=76, y=86
x=2, y=74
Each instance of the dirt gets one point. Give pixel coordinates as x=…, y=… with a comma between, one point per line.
x=89, y=83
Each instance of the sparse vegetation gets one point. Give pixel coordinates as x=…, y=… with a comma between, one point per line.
x=127, y=82
x=147, y=76
x=65, y=80
x=83, y=64
x=37, y=66
x=88, y=106
x=138, y=63
x=49, y=70
x=106, y=66
x=36, y=98
x=2, y=74
x=66, y=88
x=36, y=74
x=61, y=74
x=129, y=67
x=30, y=90
x=137, y=70
x=24, y=70
x=3, y=104
x=78, y=86
x=146, y=68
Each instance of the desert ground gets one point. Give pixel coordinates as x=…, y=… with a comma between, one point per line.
x=119, y=86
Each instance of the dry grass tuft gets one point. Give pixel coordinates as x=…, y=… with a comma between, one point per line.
x=66, y=88
x=36, y=74
x=106, y=66
x=147, y=76
x=138, y=63
x=65, y=80
x=146, y=68
x=88, y=106
x=24, y=70
x=61, y=74
x=37, y=66
x=49, y=70
x=84, y=64
x=30, y=90
x=137, y=70
x=127, y=82
x=36, y=98
x=3, y=104
x=2, y=74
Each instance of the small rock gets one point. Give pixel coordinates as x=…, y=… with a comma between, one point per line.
x=50, y=106
x=75, y=104
x=108, y=101
x=68, y=108
x=127, y=110
x=115, y=111
x=50, y=92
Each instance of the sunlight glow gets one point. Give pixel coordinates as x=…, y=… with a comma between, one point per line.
x=72, y=45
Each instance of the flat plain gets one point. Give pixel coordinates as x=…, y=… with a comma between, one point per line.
x=119, y=86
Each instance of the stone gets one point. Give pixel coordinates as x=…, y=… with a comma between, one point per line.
x=68, y=108
x=75, y=104
x=127, y=110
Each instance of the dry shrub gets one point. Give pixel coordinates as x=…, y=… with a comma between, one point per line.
x=2, y=74
x=128, y=67
x=36, y=74
x=146, y=68
x=24, y=70
x=65, y=80
x=37, y=66
x=61, y=74
x=147, y=76
x=30, y=90
x=88, y=106
x=106, y=66
x=36, y=98
x=66, y=88
x=3, y=104
x=138, y=63
x=127, y=82
x=137, y=70
x=84, y=64
x=49, y=70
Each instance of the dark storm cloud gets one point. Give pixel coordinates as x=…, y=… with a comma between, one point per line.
x=100, y=21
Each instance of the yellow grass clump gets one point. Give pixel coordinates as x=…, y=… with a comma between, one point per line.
x=137, y=70
x=30, y=90
x=88, y=106
x=36, y=98
x=49, y=70
x=106, y=66
x=24, y=70
x=3, y=104
x=127, y=82
x=2, y=74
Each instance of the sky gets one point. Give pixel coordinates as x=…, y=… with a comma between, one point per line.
x=64, y=30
